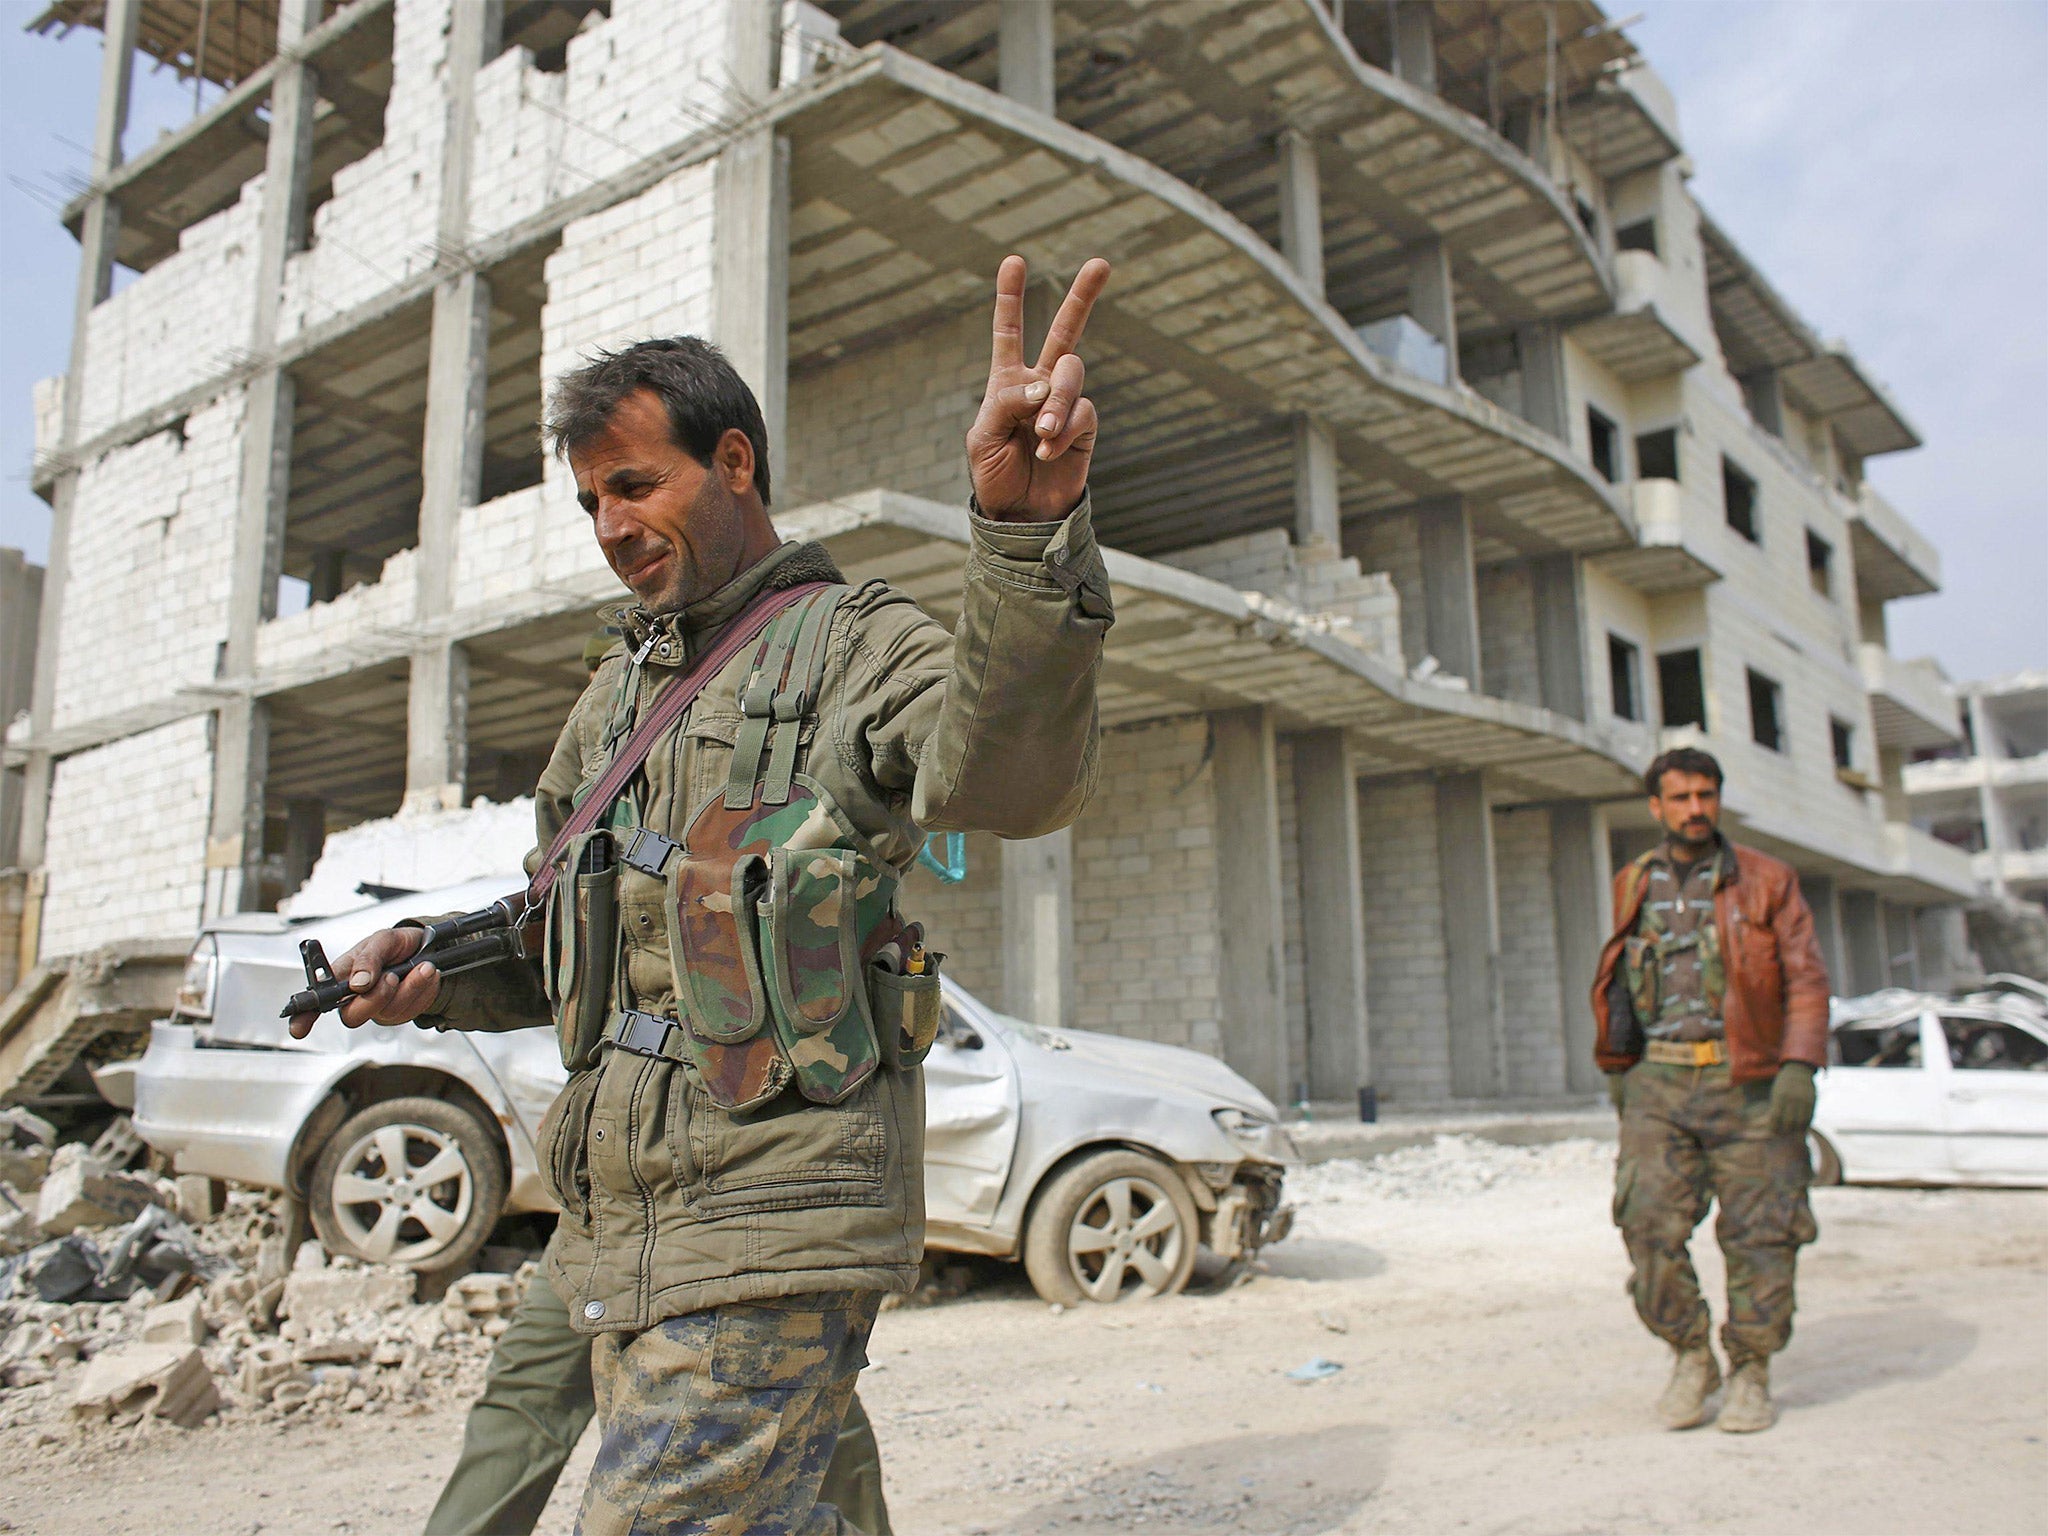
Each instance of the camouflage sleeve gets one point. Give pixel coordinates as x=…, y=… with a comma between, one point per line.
x=494, y=998
x=992, y=728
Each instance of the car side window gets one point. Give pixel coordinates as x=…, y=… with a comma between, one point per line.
x=1895, y=1046
x=1985, y=1045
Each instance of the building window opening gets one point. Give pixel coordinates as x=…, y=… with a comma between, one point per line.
x=1682, y=686
x=1738, y=498
x=1639, y=236
x=1766, y=712
x=348, y=118
x=1657, y=455
x=512, y=402
x=1604, y=445
x=1842, y=737
x=544, y=28
x=1820, y=564
x=358, y=426
x=1625, y=678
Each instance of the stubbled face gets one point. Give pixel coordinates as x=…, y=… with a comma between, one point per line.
x=1688, y=807
x=674, y=530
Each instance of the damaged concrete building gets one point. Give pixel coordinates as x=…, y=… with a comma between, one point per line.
x=1454, y=459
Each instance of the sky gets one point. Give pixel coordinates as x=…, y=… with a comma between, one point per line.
x=1885, y=162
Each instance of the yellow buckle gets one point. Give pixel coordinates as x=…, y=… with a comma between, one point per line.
x=1687, y=1053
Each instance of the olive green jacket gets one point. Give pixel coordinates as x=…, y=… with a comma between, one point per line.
x=670, y=1203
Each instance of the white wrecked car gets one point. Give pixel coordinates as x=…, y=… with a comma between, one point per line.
x=1931, y=1090
x=1103, y=1163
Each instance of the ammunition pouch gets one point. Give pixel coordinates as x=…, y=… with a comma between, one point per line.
x=580, y=945
x=906, y=1012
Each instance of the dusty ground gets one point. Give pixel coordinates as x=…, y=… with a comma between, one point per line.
x=1494, y=1379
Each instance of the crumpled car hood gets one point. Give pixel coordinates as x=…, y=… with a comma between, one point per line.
x=1170, y=1068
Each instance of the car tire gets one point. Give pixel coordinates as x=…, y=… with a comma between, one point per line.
x=1827, y=1163
x=1114, y=1226
x=433, y=1223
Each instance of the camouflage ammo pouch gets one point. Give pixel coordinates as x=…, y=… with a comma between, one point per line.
x=580, y=945
x=906, y=1011
x=775, y=900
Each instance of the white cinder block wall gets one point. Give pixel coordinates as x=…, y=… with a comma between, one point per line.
x=1407, y=1009
x=127, y=839
x=1531, y=1005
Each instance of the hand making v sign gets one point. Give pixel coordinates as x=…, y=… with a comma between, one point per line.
x=1029, y=448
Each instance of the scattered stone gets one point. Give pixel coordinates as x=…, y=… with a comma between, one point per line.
x=159, y=1381
x=83, y=1192
x=340, y=1349
x=311, y=1294
x=176, y=1322
x=200, y=1199
x=310, y=1256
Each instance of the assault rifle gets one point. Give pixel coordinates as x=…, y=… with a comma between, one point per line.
x=461, y=943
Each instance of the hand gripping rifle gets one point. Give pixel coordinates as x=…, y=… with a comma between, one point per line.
x=460, y=943
x=499, y=931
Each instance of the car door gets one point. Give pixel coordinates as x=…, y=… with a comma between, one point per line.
x=1881, y=1100
x=1996, y=1098
x=971, y=1119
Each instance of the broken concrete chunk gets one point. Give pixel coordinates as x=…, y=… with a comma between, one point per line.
x=310, y=1294
x=22, y=1128
x=175, y=1322
x=161, y=1381
x=200, y=1199
x=81, y=1192
x=341, y=1349
x=24, y=1167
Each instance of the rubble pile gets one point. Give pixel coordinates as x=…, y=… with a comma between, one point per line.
x=126, y=1297
x=1448, y=1165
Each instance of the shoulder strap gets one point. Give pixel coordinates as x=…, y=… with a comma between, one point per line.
x=668, y=708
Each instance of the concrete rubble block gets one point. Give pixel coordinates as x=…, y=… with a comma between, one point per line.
x=25, y=1128
x=83, y=1192
x=264, y=1364
x=200, y=1199
x=341, y=1349
x=18, y=1229
x=176, y=1322
x=160, y=1381
x=314, y=1294
x=24, y=1167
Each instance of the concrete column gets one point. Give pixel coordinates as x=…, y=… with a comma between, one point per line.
x=754, y=48
x=234, y=853
x=1301, y=207
x=21, y=604
x=1990, y=751
x=1580, y=887
x=750, y=273
x=1038, y=929
x=1471, y=913
x=1863, y=941
x=1415, y=43
x=1024, y=53
x=1544, y=395
x=1318, y=513
x=452, y=455
x=97, y=237
x=1449, y=588
x=1825, y=899
x=1560, y=634
x=1332, y=915
x=1251, y=958
x=1433, y=301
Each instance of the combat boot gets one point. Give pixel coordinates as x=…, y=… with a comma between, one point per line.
x=1694, y=1378
x=1748, y=1408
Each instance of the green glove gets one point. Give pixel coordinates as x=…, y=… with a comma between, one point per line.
x=1616, y=1088
x=1792, y=1099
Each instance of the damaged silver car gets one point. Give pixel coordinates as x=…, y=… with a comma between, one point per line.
x=1106, y=1165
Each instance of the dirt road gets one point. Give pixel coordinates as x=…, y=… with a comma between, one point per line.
x=1493, y=1379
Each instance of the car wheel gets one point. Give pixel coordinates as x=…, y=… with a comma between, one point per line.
x=1827, y=1164
x=1116, y=1226
x=415, y=1182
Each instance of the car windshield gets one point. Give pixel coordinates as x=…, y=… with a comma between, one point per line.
x=1890, y=1045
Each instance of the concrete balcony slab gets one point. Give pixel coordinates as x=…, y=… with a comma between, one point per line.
x=1911, y=702
x=1667, y=558
x=1893, y=558
x=1643, y=338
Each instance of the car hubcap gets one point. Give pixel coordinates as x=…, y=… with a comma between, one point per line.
x=1125, y=1241
x=402, y=1194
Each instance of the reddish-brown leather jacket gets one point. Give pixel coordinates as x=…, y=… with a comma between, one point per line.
x=1776, y=1007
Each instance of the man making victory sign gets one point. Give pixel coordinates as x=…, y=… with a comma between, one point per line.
x=738, y=1152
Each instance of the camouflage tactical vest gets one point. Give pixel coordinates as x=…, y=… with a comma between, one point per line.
x=790, y=963
x=1647, y=951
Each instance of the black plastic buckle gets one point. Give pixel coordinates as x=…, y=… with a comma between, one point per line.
x=647, y=851
x=642, y=1034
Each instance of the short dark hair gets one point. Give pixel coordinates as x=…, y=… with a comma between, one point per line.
x=1680, y=760
x=702, y=391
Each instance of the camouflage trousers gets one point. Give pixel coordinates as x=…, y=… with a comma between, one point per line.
x=535, y=1405
x=1690, y=1136
x=721, y=1422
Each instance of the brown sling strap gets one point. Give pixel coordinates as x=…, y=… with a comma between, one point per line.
x=668, y=708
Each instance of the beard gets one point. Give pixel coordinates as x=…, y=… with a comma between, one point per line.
x=706, y=557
